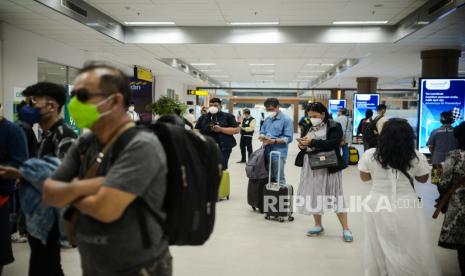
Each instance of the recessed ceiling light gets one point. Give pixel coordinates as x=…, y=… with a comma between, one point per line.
x=253, y=23
x=203, y=64
x=135, y=23
x=423, y=22
x=261, y=64
x=211, y=70
x=360, y=22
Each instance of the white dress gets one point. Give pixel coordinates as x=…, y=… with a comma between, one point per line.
x=398, y=241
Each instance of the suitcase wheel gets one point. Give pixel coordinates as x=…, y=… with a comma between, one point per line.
x=267, y=217
x=280, y=219
x=227, y=197
x=253, y=208
x=290, y=218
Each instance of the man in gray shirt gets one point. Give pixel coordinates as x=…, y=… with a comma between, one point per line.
x=129, y=186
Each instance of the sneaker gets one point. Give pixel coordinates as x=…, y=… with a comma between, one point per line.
x=18, y=238
x=347, y=236
x=314, y=231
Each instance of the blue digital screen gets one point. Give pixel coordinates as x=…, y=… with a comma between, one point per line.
x=335, y=105
x=436, y=96
x=363, y=102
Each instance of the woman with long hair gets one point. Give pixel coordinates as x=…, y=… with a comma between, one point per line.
x=321, y=188
x=398, y=240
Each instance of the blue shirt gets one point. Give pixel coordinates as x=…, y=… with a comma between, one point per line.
x=279, y=127
x=13, y=151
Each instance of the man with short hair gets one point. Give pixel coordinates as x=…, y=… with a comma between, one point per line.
x=221, y=126
x=44, y=105
x=132, y=112
x=276, y=134
x=346, y=124
x=119, y=200
x=13, y=152
x=380, y=117
x=247, y=131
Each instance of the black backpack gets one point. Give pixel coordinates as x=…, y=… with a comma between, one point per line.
x=370, y=134
x=194, y=173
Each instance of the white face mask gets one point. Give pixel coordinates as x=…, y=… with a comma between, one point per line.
x=213, y=110
x=272, y=114
x=131, y=108
x=316, y=121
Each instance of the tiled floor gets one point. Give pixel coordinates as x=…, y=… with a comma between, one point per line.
x=246, y=244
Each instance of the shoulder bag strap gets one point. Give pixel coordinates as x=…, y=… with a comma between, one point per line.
x=92, y=171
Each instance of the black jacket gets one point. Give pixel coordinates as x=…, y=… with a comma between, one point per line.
x=334, y=136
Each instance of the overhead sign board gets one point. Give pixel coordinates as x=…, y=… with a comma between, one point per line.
x=143, y=74
x=197, y=92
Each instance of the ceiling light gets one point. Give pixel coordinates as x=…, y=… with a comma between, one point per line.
x=360, y=22
x=211, y=70
x=312, y=71
x=135, y=23
x=261, y=64
x=265, y=80
x=310, y=77
x=252, y=23
x=423, y=22
x=203, y=64
x=320, y=64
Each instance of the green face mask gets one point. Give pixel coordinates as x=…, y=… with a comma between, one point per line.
x=85, y=115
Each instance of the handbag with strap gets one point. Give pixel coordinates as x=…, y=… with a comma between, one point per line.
x=323, y=159
x=72, y=214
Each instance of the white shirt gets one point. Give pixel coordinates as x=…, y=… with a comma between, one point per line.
x=134, y=116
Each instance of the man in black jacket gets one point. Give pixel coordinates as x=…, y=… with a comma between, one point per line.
x=221, y=126
x=247, y=131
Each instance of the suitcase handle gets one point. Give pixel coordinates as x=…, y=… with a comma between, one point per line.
x=278, y=154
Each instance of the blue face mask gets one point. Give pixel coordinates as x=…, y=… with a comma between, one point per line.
x=30, y=115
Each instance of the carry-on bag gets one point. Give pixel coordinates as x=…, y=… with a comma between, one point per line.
x=277, y=199
x=353, y=156
x=224, y=191
x=255, y=193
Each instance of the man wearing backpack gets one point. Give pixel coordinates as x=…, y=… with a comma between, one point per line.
x=106, y=189
x=247, y=131
x=374, y=128
x=221, y=126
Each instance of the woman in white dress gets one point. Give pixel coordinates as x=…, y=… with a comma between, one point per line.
x=398, y=241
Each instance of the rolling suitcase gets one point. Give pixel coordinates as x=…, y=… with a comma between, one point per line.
x=224, y=190
x=277, y=199
x=353, y=156
x=255, y=193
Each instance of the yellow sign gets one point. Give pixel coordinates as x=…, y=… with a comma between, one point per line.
x=144, y=74
x=197, y=92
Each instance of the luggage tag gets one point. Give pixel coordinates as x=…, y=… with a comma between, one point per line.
x=322, y=158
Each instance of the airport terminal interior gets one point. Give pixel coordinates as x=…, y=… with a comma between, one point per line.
x=402, y=57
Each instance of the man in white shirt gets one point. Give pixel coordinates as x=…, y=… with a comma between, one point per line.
x=346, y=125
x=381, y=119
x=132, y=112
x=190, y=116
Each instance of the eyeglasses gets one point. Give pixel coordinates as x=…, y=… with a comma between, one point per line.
x=83, y=95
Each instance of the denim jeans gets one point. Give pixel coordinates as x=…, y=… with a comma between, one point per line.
x=274, y=168
x=345, y=153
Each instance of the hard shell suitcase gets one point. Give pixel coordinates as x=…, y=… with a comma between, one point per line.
x=224, y=190
x=353, y=156
x=255, y=193
x=277, y=199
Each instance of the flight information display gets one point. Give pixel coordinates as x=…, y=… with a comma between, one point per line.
x=363, y=102
x=335, y=105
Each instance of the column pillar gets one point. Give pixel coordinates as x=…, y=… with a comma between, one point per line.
x=337, y=94
x=366, y=85
x=440, y=63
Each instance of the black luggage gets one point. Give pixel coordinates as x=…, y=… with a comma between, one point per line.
x=255, y=193
x=277, y=199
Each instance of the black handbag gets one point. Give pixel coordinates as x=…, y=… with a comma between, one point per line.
x=299, y=160
x=323, y=159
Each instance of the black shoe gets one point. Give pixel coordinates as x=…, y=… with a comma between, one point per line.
x=241, y=162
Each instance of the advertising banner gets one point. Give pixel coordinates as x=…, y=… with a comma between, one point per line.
x=142, y=97
x=363, y=102
x=335, y=105
x=436, y=96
